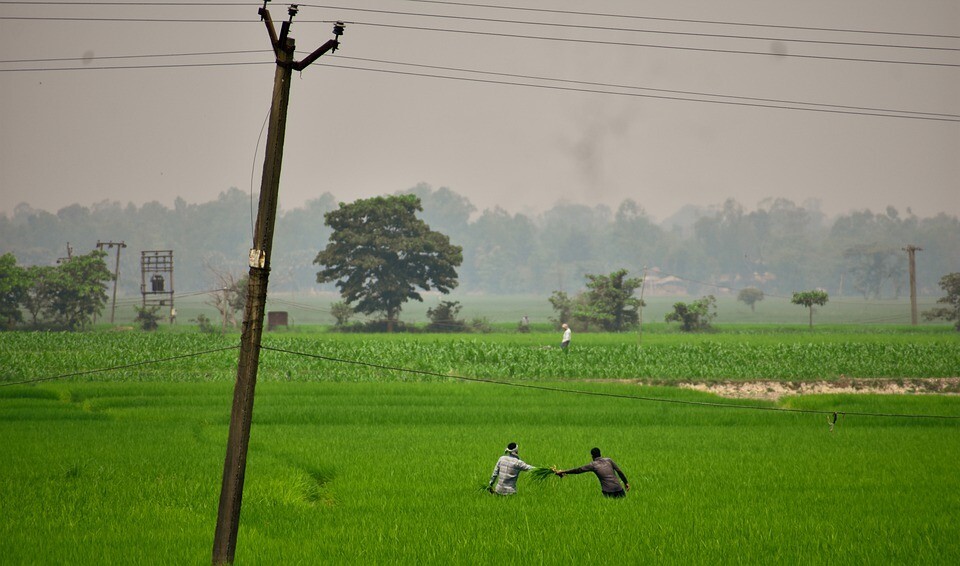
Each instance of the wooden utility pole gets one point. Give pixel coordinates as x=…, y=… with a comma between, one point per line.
x=643, y=282
x=231, y=494
x=912, y=254
x=116, y=272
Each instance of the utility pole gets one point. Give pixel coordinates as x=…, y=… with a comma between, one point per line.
x=640, y=310
x=224, y=306
x=69, y=255
x=231, y=494
x=116, y=272
x=912, y=254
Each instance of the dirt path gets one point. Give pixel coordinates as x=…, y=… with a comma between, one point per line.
x=773, y=390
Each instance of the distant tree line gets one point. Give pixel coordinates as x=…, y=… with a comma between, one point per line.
x=778, y=248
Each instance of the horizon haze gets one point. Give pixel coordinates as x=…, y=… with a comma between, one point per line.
x=853, y=105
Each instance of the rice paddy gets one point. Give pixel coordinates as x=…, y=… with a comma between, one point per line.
x=355, y=464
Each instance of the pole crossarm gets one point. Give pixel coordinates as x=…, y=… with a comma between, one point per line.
x=279, y=42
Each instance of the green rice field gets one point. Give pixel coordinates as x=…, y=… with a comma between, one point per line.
x=367, y=464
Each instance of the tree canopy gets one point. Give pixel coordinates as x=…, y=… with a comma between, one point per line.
x=950, y=283
x=380, y=254
x=809, y=299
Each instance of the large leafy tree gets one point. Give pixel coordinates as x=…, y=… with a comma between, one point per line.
x=81, y=289
x=610, y=302
x=380, y=254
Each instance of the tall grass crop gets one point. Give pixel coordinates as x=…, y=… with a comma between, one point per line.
x=386, y=473
x=334, y=357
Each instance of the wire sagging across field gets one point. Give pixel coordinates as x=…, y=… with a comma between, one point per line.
x=609, y=395
x=119, y=367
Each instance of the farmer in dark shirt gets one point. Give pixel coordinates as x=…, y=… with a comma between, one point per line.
x=606, y=471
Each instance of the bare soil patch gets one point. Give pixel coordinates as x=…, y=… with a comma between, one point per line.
x=774, y=390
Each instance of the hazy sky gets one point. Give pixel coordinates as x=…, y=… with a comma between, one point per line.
x=80, y=134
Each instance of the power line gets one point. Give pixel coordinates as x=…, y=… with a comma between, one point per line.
x=130, y=4
x=823, y=108
x=630, y=30
x=601, y=394
x=114, y=368
x=500, y=34
x=131, y=67
x=639, y=95
x=513, y=8
x=144, y=56
x=134, y=20
x=684, y=20
x=443, y=68
x=656, y=46
x=632, y=87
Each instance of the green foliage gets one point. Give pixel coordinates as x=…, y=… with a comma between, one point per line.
x=809, y=299
x=751, y=296
x=13, y=287
x=204, y=324
x=443, y=317
x=342, y=312
x=563, y=305
x=481, y=324
x=80, y=289
x=380, y=253
x=950, y=283
x=147, y=318
x=695, y=316
x=40, y=292
x=329, y=481
x=71, y=293
x=609, y=302
x=797, y=355
x=778, y=245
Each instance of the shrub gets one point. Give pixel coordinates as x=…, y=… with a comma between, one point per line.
x=147, y=318
x=695, y=316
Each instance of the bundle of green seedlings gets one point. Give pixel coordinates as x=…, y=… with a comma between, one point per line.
x=540, y=474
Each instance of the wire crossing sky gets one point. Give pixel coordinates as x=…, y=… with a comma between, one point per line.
x=839, y=106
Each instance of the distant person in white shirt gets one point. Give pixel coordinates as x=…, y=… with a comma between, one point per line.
x=565, y=341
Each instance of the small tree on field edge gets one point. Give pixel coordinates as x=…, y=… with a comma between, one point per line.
x=951, y=284
x=147, y=317
x=809, y=299
x=694, y=316
x=342, y=312
x=443, y=317
x=751, y=296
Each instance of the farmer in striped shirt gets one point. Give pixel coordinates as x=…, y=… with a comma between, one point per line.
x=506, y=471
x=606, y=471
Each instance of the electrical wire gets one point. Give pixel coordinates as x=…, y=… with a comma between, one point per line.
x=130, y=4
x=630, y=30
x=464, y=70
x=509, y=8
x=639, y=95
x=135, y=67
x=657, y=46
x=142, y=56
x=632, y=87
x=810, y=106
x=681, y=20
x=114, y=368
x=602, y=394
